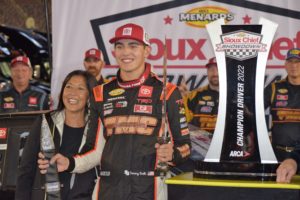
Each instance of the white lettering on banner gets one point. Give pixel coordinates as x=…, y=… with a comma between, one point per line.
x=240, y=106
x=240, y=128
x=236, y=154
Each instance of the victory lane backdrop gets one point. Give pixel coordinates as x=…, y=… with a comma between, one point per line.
x=80, y=25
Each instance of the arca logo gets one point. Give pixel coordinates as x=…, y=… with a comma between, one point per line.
x=236, y=154
x=239, y=154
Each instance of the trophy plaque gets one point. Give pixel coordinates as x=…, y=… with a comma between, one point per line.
x=52, y=184
x=240, y=146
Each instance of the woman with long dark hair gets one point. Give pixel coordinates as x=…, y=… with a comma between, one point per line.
x=69, y=122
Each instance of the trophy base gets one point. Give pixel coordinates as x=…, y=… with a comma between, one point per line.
x=234, y=171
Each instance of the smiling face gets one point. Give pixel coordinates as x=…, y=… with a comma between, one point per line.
x=75, y=94
x=213, y=76
x=20, y=75
x=93, y=66
x=131, y=55
x=292, y=67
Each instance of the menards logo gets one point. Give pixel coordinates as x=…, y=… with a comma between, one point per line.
x=199, y=17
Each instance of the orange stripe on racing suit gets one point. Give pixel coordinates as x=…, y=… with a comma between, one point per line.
x=169, y=90
x=98, y=90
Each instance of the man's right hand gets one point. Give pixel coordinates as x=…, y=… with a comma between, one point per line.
x=61, y=161
x=286, y=170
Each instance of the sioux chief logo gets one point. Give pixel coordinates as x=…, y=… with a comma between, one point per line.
x=199, y=17
x=241, y=45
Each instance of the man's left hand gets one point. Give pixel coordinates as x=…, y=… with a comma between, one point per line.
x=286, y=171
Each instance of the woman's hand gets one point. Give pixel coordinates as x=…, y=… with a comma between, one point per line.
x=61, y=161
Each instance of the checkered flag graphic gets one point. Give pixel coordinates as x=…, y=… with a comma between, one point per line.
x=241, y=54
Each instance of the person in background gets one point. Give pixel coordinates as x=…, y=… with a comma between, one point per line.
x=21, y=96
x=283, y=99
x=129, y=114
x=69, y=125
x=202, y=104
x=93, y=64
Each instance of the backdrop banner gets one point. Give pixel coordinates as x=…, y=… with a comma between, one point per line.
x=80, y=25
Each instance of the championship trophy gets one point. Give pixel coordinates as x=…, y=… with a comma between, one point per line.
x=163, y=167
x=240, y=146
x=52, y=184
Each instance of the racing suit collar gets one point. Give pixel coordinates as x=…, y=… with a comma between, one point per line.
x=101, y=80
x=209, y=87
x=291, y=84
x=135, y=83
x=27, y=89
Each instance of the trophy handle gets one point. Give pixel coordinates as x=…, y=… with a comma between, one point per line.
x=52, y=184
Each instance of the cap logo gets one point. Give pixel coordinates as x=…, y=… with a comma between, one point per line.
x=92, y=52
x=22, y=59
x=127, y=31
x=295, y=52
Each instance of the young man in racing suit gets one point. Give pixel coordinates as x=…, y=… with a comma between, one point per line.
x=129, y=114
x=283, y=99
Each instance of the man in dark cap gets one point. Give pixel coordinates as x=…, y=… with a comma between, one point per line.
x=21, y=96
x=202, y=103
x=94, y=63
x=283, y=99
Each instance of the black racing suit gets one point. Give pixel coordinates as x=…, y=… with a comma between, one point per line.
x=283, y=99
x=32, y=99
x=130, y=115
x=202, y=108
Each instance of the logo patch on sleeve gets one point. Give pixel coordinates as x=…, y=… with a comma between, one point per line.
x=142, y=109
x=32, y=101
x=9, y=105
x=3, y=133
